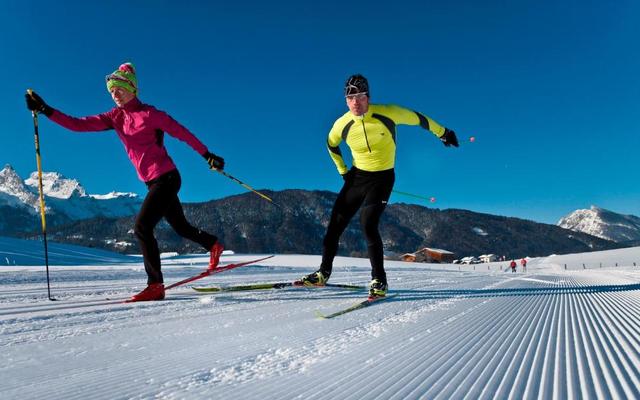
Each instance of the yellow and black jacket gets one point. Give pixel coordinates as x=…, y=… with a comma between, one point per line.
x=372, y=137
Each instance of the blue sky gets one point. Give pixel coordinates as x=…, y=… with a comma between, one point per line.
x=549, y=89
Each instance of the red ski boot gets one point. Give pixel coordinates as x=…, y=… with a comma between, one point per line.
x=154, y=291
x=215, y=253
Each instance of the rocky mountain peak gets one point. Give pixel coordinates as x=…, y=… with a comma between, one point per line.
x=56, y=185
x=11, y=184
x=603, y=223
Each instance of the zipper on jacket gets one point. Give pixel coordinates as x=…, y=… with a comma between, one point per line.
x=366, y=139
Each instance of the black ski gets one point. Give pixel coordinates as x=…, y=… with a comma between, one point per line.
x=267, y=286
x=357, y=306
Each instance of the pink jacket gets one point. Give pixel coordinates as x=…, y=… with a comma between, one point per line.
x=141, y=129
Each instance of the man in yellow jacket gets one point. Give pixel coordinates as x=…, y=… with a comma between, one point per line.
x=370, y=132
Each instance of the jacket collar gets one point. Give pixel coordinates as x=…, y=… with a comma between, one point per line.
x=366, y=116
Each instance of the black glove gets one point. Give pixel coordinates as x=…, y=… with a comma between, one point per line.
x=214, y=161
x=346, y=175
x=449, y=138
x=35, y=103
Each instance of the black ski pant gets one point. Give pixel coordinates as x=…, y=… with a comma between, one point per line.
x=162, y=201
x=369, y=191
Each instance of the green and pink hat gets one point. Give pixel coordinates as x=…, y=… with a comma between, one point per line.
x=124, y=77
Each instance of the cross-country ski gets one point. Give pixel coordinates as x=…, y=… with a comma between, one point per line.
x=357, y=306
x=273, y=285
x=217, y=270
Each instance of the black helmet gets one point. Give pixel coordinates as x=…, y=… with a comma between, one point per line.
x=356, y=84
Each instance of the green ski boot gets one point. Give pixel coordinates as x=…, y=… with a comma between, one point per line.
x=317, y=278
x=377, y=288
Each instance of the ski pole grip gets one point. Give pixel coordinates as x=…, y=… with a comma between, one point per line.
x=33, y=112
x=30, y=93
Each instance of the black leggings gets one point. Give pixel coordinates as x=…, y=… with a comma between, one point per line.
x=371, y=191
x=162, y=201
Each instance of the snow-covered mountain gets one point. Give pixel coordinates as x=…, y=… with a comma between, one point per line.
x=65, y=200
x=603, y=223
x=14, y=192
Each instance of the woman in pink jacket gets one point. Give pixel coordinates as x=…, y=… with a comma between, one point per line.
x=141, y=129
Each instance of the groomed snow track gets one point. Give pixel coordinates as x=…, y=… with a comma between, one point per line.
x=447, y=335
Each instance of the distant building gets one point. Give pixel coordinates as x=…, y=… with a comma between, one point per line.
x=408, y=257
x=487, y=258
x=429, y=255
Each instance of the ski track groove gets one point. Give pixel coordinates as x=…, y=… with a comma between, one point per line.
x=542, y=329
x=597, y=376
x=538, y=312
x=438, y=382
x=601, y=351
x=398, y=391
x=577, y=384
x=583, y=357
x=477, y=390
x=613, y=347
x=511, y=343
x=627, y=321
x=495, y=336
x=547, y=378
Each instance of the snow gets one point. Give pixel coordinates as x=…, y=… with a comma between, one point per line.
x=480, y=231
x=31, y=253
x=113, y=195
x=452, y=331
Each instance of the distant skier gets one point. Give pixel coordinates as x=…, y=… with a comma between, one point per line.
x=513, y=265
x=141, y=129
x=370, y=132
x=523, y=263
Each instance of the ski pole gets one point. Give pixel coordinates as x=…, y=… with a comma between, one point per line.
x=247, y=187
x=40, y=190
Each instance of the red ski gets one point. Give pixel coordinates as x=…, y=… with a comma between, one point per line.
x=206, y=273
x=216, y=271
